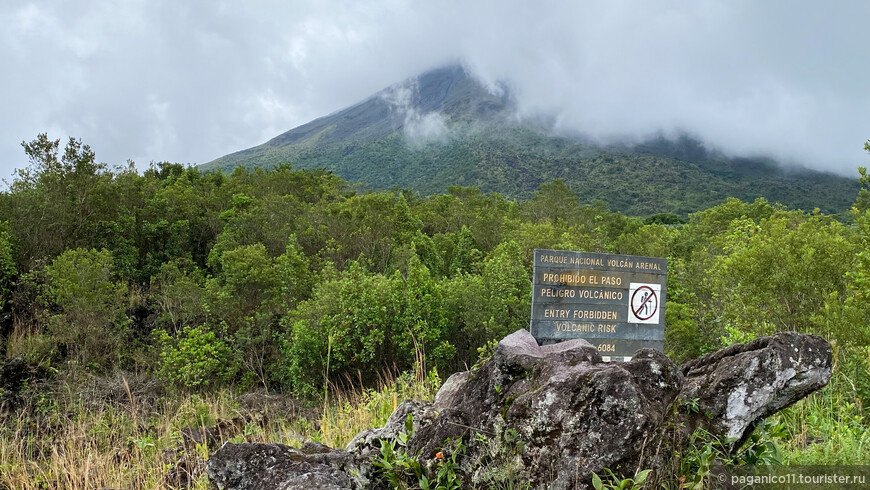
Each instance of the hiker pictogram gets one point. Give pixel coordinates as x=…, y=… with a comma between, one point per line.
x=644, y=300
x=645, y=306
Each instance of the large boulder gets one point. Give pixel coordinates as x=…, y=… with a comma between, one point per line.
x=552, y=415
x=735, y=387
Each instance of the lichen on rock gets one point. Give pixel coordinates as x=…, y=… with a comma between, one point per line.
x=550, y=416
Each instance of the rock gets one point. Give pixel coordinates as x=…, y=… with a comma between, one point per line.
x=367, y=443
x=276, y=466
x=13, y=373
x=735, y=387
x=446, y=396
x=210, y=436
x=656, y=378
x=549, y=416
x=552, y=415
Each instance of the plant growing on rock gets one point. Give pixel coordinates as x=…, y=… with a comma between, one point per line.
x=402, y=470
x=706, y=451
x=615, y=483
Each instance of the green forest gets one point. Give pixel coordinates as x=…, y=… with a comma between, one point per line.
x=143, y=302
x=655, y=177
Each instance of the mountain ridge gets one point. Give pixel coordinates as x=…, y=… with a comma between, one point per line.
x=444, y=128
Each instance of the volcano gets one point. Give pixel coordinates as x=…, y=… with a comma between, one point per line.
x=445, y=128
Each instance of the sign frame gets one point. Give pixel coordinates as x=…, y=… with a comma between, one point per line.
x=616, y=302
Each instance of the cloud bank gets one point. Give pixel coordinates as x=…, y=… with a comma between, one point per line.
x=191, y=81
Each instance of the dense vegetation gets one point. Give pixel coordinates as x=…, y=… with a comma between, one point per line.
x=289, y=280
x=656, y=177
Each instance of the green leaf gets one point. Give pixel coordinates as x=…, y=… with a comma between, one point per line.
x=596, y=482
x=640, y=478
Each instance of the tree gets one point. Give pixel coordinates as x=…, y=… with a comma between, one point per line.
x=776, y=275
x=8, y=269
x=91, y=321
x=178, y=291
x=553, y=201
x=60, y=198
x=862, y=202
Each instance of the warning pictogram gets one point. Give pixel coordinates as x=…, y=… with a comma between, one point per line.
x=643, y=304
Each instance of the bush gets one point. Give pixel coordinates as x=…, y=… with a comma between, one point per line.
x=91, y=321
x=197, y=357
x=360, y=324
x=178, y=295
x=8, y=270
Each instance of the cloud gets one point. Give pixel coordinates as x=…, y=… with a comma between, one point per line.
x=191, y=81
x=418, y=128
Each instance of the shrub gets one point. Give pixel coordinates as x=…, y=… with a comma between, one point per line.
x=81, y=283
x=8, y=269
x=196, y=357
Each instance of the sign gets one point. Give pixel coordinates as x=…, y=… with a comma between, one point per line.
x=643, y=306
x=616, y=302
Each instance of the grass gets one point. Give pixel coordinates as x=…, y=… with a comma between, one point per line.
x=88, y=432
x=830, y=427
x=350, y=411
x=67, y=437
x=824, y=432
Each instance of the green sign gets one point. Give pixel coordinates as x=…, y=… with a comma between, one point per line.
x=616, y=302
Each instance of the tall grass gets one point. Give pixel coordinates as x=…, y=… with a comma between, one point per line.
x=830, y=427
x=353, y=410
x=60, y=439
x=78, y=447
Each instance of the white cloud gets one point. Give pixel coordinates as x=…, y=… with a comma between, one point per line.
x=191, y=81
x=418, y=128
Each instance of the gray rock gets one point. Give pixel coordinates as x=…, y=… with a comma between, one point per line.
x=735, y=387
x=446, y=396
x=368, y=442
x=552, y=415
x=13, y=374
x=549, y=416
x=278, y=467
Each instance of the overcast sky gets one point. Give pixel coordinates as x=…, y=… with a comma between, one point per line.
x=188, y=81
